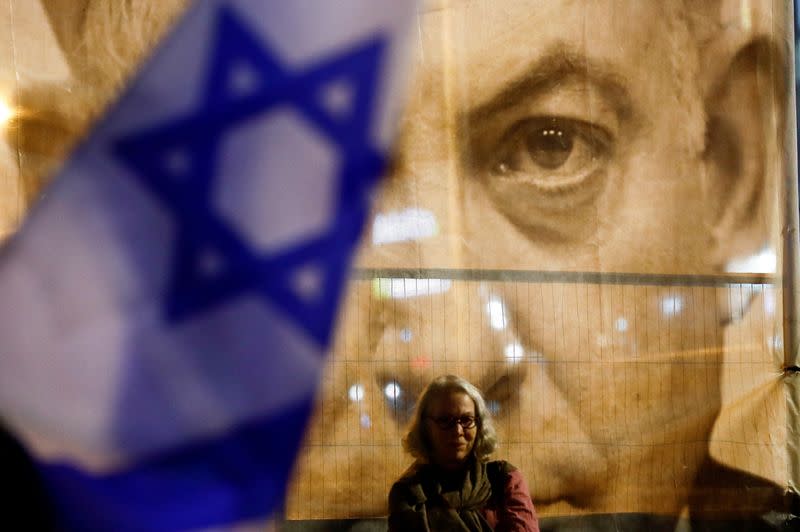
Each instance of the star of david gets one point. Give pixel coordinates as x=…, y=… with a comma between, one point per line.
x=177, y=161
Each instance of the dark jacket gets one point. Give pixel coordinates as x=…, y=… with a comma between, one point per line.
x=416, y=502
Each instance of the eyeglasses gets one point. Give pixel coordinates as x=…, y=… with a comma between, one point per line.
x=448, y=422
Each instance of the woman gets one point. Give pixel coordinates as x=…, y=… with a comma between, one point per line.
x=452, y=485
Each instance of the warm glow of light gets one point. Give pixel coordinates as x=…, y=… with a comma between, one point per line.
x=356, y=393
x=746, y=14
x=769, y=302
x=405, y=288
x=497, y=314
x=6, y=113
x=765, y=261
x=420, y=362
x=392, y=391
x=514, y=352
x=402, y=226
x=671, y=305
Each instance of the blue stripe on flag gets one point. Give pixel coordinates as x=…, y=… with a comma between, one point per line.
x=233, y=478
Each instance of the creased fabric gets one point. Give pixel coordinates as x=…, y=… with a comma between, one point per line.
x=426, y=499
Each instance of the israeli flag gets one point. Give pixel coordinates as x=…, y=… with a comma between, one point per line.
x=166, y=309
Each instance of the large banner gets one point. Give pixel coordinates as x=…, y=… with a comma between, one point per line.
x=586, y=217
x=585, y=220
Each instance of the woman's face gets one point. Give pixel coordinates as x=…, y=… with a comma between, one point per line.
x=448, y=415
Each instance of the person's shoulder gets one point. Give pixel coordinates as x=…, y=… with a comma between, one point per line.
x=512, y=498
x=505, y=478
x=409, y=487
x=500, y=467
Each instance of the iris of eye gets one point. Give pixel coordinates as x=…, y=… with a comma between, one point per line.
x=550, y=147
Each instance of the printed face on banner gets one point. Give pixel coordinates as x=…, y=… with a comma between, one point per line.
x=546, y=142
x=616, y=137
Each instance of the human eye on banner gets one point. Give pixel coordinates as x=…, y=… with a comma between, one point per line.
x=585, y=215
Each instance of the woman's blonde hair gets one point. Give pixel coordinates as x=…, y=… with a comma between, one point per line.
x=417, y=442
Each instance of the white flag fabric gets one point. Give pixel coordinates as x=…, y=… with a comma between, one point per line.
x=165, y=310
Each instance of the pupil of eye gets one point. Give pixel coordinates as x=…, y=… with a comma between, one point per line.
x=550, y=147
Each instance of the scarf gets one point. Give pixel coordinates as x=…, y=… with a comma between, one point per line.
x=449, y=502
